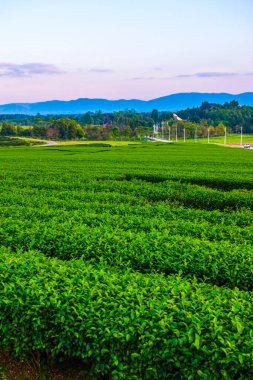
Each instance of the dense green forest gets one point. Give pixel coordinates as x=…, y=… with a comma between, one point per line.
x=129, y=124
x=230, y=114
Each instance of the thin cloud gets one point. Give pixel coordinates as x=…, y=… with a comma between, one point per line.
x=248, y=74
x=101, y=70
x=27, y=69
x=212, y=74
x=144, y=78
x=215, y=74
x=185, y=76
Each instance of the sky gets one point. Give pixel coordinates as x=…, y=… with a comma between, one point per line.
x=114, y=49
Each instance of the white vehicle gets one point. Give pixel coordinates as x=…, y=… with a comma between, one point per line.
x=247, y=146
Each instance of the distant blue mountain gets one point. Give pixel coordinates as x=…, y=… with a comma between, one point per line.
x=173, y=103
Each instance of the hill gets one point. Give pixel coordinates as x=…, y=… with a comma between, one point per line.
x=173, y=102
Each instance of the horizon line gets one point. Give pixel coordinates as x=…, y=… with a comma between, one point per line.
x=126, y=99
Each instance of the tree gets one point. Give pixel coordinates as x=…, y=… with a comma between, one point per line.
x=8, y=129
x=211, y=130
x=74, y=130
x=24, y=131
x=155, y=116
x=65, y=128
x=220, y=129
x=39, y=131
x=127, y=132
x=87, y=119
x=38, y=119
x=115, y=132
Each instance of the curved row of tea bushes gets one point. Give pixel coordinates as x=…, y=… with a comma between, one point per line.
x=189, y=195
x=126, y=324
x=111, y=209
x=218, y=262
x=211, y=166
x=133, y=191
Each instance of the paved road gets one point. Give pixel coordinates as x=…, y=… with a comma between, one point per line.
x=51, y=143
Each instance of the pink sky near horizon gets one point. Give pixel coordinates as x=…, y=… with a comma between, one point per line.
x=124, y=49
x=69, y=87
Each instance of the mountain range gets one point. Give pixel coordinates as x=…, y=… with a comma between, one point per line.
x=170, y=103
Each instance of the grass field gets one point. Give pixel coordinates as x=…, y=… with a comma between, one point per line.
x=232, y=139
x=79, y=142
x=97, y=142
x=134, y=261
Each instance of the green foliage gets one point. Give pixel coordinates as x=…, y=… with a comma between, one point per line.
x=230, y=114
x=130, y=325
x=12, y=141
x=8, y=129
x=132, y=125
x=65, y=128
x=137, y=260
x=155, y=115
x=39, y=131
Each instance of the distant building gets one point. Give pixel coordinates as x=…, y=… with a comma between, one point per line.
x=176, y=118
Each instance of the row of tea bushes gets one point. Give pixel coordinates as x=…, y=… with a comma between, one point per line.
x=218, y=262
x=124, y=324
x=146, y=235
x=137, y=192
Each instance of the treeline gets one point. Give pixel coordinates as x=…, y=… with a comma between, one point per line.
x=120, y=118
x=129, y=124
x=90, y=126
x=68, y=129
x=230, y=114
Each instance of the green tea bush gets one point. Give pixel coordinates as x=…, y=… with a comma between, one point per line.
x=173, y=244
x=125, y=324
x=139, y=261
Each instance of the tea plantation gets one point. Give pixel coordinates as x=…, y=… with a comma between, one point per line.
x=136, y=260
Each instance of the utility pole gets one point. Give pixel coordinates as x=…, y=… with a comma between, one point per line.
x=176, y=134
x=208, y=135
x=184, y=134
x=196, y=135
x=225, y=136
x=241, y=136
